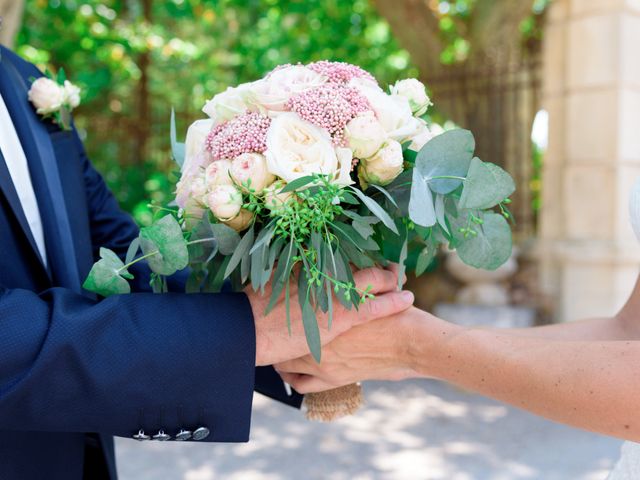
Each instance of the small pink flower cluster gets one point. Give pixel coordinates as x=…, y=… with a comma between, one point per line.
x=244, y=134
x=330, y=106
x=340, y=72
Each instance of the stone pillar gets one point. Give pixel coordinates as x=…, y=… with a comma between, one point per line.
x=589, y=254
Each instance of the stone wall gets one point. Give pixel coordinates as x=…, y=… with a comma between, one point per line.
x=589, y=254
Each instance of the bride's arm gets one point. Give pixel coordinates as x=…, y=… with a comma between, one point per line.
x=581, y=374
x=593, y=385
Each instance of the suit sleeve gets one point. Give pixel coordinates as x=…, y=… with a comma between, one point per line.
x=128, y=362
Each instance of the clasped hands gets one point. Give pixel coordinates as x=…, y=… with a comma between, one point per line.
x=373, y=342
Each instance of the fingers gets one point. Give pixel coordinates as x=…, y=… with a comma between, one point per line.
x=384, y=305
x=305, y=383
x=305, y=365
x=378, y=279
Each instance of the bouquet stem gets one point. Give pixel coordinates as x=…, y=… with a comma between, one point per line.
x=334, y=404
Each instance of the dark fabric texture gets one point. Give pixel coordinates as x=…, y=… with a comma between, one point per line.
x=71, y=363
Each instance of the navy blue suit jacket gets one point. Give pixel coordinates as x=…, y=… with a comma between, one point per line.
x=71, y=363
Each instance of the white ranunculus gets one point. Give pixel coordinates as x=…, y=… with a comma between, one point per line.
x=46, y=95
x=273, y=91
x=71, y=94
x=365, y=136
x=195, y=154
x=296, y=148
x=241, y=221
x=274, y=199
x=228, y=104
x=420, y=140
x=217, y=173
x=224, y=201
x=250, y=169
x=414, y=91
x=384, y=166
x=392, y=111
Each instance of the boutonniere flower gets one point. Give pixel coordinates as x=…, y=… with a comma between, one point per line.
x=55, y=99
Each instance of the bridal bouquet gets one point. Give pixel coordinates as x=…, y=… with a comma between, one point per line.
x=307, y=173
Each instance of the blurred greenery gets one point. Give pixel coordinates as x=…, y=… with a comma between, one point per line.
x=136, y=59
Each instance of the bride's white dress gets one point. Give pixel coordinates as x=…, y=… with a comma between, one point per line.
x=628, y=467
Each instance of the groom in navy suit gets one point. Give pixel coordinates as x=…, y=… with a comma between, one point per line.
x=76, y=370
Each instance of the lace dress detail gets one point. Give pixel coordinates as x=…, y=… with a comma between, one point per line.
x=628, y=467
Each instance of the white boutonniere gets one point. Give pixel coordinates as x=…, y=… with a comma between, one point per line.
x=55, y=99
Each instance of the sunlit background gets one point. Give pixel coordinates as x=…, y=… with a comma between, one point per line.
x=524, y=76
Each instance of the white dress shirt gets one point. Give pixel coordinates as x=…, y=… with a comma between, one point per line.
x=18, y=169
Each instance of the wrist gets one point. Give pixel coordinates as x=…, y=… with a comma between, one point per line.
x=431, y=349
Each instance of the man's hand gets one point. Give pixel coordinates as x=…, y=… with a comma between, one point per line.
x=273, y=342
x=381, y=350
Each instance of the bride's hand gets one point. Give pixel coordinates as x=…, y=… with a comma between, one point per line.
x=380, y=350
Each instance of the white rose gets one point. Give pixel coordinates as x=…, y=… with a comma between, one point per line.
x=228, y=104
x=217, y=173
x=251, y=169
x=274, y=199
x=192, y=213
x=392, y=111
x=420, y=140
x=194, y=144
x=241, y=221
x=46, y=95
x=365, y=136
x=224, y=201
x=414, y=91
x=296, y=148
x=385, y=166
x=273, y=91
x=71, y=94
x=198, y=187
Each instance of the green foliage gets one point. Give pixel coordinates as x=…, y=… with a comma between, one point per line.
x=134, y=66
x=164, y=245
x=106, y=276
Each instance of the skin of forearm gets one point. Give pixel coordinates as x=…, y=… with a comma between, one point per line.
x=590, y=385
x=608, y=328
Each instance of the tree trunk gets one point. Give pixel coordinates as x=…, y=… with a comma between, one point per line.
x=143, y=123
x=11, y=14
x=493, y=92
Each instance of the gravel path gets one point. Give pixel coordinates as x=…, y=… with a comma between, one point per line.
x=411, y=430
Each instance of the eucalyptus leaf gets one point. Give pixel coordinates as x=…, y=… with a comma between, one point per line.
x=350, y=234
x=227, y=238
x=402, y=268
x=298, y=183
x=165, y=244
x=242, y=251
x=282, y=273
x=421, y=208
x=105, y=276
x=425, y=258
x=178, y=150
x=440, y=212
x=132, y=250
x=386, y=194
x=447, y=154
x=264, y=237
x=376, y=209
x=486, y=186
x=309, y=320
x=492, y=245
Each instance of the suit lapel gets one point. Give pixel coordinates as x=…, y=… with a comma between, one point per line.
x=45, y=177
x=9, y=191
